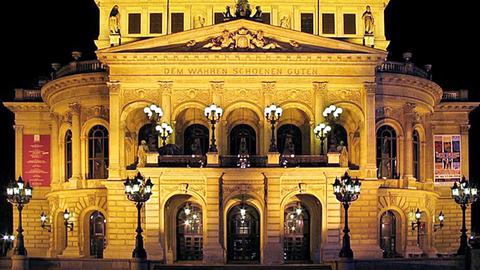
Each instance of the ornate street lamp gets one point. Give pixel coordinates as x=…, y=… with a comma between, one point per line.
x=464, y=193
x=441, y=219
x=165, y=130
x=154, y=113
x=44, y=224
x=213, y=114
x=272, y=114
x=19, y=194
x=7, y=241
x=417, y=224
x=139, y=191
x=68, y=224
x=332, y=112
x=321, y=131
x=346, y=191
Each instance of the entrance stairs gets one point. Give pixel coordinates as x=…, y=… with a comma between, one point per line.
x=244, y=267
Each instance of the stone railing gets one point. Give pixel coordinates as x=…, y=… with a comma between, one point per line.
x=403, y=68
x=78, y=67
x=455, y=95
x=303, y=161
x=28, y=94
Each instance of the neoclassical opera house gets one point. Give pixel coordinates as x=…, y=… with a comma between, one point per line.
x=86, y=130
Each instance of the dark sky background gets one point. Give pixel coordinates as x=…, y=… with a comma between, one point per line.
x=37, y=33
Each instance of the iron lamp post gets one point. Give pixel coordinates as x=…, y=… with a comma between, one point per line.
x=417, y=224
x=139, y=191
x=213, y=114
x=19, y=194
x=164, y=130
x=68, y=225
x=154, y=113
x=321, y=131
x=273, y=114
x=346, y=190
x=44, y=223
x=441, y=219
x=464, y=193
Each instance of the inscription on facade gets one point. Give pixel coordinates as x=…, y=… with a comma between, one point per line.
x=242, y=71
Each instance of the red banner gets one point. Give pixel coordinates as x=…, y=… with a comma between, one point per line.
x=36, y=160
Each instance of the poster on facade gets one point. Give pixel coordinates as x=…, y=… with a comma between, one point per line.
x=447, y=158
x=36, y=160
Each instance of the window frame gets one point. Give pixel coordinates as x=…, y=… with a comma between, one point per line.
x=91, y=150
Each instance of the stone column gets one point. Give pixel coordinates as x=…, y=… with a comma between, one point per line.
x=166, y=89
x=18, y=150
x=217, y=95
x=115, y=132
x=409, y=113
x=268, y=89
x=368, y=142
x=213, y=253
x=75, y=109
x=273, y=249
x=464, y=148
x=55, y=165
x=319, y=90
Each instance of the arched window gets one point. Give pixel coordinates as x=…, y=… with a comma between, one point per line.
x=98, y=153
x=289, y=138
x=68, y=155
x=243, y=227
x=195, y=140
x=337, y=135
x=189, y=233
x=387, y=152
x=416, y=155
x=246, y=132
x=148, y=134
x=388, y=234
x=296, y=243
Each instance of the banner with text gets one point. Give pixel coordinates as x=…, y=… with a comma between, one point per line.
x=36, y=160
x=447, y=158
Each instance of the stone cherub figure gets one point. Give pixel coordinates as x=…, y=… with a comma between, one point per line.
x=114, y=21
x=369, y=21
x=342, y=149
x=142, y=154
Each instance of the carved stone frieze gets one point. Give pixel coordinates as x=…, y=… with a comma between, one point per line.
x=129, y=95
x=98, y=111
x=243, y=189
x=183, y=95
x=183, y=188
x=234, y=95
x=336, y=95
x=384, y=112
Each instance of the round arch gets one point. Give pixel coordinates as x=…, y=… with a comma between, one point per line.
x=393, y=123
x=401, y=228
x=299, y=106
x=245, y=105
x=185, y=106
x=84, y=226
x=131, y=107
x=90, y=123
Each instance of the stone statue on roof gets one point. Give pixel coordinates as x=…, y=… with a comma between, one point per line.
x=243, y=9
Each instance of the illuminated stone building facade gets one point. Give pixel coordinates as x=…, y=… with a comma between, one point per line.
x=89, y=121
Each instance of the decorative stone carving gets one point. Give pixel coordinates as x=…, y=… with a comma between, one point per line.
x=285, y=22
x=268, y=86
x=235, y=95
x=75, y=107
x=166, y=86
x=383, y=112
x=98, y=111
x=241, y=39
x=243, y=189
x=184, y=95
x=409, y=107
x=150, y=95
x=370, y=87
x=319, y=87
x=369, y=21
x=344, y=94
x=183, y=188
x=464, y=129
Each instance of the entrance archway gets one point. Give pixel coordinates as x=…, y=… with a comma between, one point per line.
x=189, y=233
x=97, y=234
x=243, y=227
x=296, y=241
x=236, y=135
x=388, y=234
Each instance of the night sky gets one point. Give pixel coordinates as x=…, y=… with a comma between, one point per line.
x=38, y=33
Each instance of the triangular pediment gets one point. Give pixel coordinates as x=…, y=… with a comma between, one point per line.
x=241, y=36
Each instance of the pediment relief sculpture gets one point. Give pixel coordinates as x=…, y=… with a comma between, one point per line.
x=241, y=39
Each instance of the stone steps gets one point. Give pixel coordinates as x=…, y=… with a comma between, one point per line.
x=243, y=266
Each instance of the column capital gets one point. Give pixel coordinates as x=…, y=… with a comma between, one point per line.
x=165, y=86
x=113, y=86
x=370, y=87
x=319, y=87
x=75, y=107
x=464, y=129
x=268, y=86
x=217, y=85
x=18, y=128
x=409, y=107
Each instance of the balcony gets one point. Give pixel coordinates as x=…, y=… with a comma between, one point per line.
x=455, y=95
x=404, y=68
x=79, y=67
x=232, y=161
x=33, y=95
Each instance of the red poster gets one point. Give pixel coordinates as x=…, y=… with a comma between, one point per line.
x=36, y=160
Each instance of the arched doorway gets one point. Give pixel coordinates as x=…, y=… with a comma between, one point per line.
x=236, y=135
x=97, y=234
x=296, y=241
x=243, y=230
x=287, y=136
x=388, y=234
x=148, y=134
x=336, y=136
x=189, y=233
x=195, y=140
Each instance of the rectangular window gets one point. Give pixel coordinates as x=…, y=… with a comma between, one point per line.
x=307, y=23
x=177, y=22
x=266, y=18
x=349, y=24
x=328, y=23
x=156, y=23
x=134, y=23
x=218, y=17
